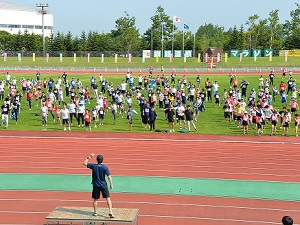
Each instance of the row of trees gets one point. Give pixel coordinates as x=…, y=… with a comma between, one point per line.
x=260, y=33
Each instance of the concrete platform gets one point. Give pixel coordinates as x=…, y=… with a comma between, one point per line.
x=84, y=215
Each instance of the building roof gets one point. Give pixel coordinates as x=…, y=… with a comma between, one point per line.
x=12, y=6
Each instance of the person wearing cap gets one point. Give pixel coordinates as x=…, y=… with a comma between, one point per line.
x=99, y=172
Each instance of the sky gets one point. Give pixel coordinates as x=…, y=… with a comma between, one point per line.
x=100, y=15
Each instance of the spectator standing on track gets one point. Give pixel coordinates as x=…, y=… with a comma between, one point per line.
x=100, y=171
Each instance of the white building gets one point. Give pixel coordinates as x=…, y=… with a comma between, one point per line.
x=15, y=18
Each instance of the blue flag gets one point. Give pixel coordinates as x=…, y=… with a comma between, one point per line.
x=186, y=27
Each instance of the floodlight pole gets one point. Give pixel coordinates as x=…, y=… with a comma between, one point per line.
x=43, y=6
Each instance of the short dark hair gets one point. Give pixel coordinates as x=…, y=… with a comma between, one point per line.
x=99, y=158
x=287, y=220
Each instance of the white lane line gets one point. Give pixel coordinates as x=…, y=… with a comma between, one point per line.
x=156, y=139
x=153, y=203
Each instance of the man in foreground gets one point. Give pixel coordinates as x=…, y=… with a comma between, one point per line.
x=99, y=182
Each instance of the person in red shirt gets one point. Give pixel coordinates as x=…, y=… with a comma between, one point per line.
x=105, y=104
x=158, y=81
x=57, y=113
x=259, y=124
x=235, y=83
x=282, y=87
x=87, y=120
x=50, y=105
x=245, y=121
x=45, y=83
x=274, y=120
x=294, y=106
x=87, y=94
x=29, y=99
x=37, y=96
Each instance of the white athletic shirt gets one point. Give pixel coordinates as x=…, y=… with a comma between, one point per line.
x=72, y=107
x=64, y=114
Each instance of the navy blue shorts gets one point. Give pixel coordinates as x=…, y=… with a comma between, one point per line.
x=97, y=190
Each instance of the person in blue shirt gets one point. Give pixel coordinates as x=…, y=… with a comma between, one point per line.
x=146, y=113
x=99, y=172
x=130, y=113
x=93, y=81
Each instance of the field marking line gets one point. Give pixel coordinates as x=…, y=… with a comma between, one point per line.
x=155, y=139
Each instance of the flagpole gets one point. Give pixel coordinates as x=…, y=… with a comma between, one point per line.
x=183, y=40
x=194, y=40
x=173, y=38
x=162, y=40
x=151, y=40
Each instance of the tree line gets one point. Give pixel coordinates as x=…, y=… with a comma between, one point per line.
x=125, y=37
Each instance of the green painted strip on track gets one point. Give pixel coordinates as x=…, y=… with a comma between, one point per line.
x=156, y=185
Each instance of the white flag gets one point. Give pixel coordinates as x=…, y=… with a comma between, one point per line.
x=176, y=19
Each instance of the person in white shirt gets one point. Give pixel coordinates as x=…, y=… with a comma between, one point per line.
x=80, y=111
x=7, y=78
x=216, y=87
x=2, y=88
x=44, y=114
x=180, y=113
x=65, y=114
x=123, y=87
x=72, y=111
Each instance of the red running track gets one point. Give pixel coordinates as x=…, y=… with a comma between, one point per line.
x=235, y=157
x=31, y=207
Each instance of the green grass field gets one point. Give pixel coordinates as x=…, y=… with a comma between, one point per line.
x=209, y=122
x=137, y=62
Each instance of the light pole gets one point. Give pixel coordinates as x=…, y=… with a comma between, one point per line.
x=43, y=12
